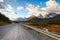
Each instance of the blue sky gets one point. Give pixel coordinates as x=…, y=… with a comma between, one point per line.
x=23, y=2
x=20, y=8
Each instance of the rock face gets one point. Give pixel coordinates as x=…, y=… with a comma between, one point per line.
x=50, y=15
x=40, y=16
x=34, y=18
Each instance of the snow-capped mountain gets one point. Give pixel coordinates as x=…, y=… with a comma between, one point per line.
x=50, y=15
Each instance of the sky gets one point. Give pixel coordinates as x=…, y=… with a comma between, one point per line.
x=25, y=8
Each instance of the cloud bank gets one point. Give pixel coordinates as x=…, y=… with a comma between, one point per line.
x=7, y=10
x=51, y=6
x=1, y=0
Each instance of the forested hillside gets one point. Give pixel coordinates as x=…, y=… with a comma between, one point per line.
x=4, y=19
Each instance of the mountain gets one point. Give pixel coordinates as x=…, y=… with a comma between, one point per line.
x=57, y=17
x=19, y=19
x=34, y=18
x=47, y=21
x=40, y=16
x=50, y=15
x=31, y=17
x=53, y=20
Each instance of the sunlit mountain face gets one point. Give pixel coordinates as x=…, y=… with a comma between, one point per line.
x=15, y=9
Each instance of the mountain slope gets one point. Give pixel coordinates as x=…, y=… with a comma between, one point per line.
x=50, y=15
x=55, y=20
x=4, y=19
x=47, y=21
x=34, y=18
x=40, y=16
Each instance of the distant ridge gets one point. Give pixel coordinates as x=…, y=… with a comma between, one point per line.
x=50, y=16
x=34, y=18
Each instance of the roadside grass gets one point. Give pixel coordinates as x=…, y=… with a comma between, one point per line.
x=3, y=23
x=52, y=25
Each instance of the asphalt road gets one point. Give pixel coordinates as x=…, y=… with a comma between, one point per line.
x=18, y=32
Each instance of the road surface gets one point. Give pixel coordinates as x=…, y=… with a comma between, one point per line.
x=18, y=32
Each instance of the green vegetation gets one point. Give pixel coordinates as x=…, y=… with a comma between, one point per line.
x=51, y=21
x=39, y=23
x=4, y=19
x=45, y=23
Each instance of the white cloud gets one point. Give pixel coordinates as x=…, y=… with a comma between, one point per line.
x=33, y=10
x=1, y=0
x=9, y=12
x=20, y=8
x=51, y=6
x=9, y=7
x=6, y=7
x=28, y=15
x=51, y=3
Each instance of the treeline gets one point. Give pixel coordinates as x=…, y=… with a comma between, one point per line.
x=3, y=18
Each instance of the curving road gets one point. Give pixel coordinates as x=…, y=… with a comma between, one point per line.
x=18, y=32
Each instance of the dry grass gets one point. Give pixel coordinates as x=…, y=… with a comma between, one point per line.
x=54, y=29
x=51, y=28
x=3, y=23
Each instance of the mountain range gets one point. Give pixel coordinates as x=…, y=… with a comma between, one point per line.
x=38, y=18
x=50, y=15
